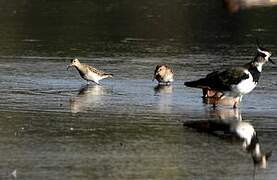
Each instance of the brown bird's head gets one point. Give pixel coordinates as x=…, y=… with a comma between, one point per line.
x=161, y=70
x=74, y=62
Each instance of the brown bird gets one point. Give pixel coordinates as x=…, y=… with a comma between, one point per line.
x=163, y=74
x=88, y=72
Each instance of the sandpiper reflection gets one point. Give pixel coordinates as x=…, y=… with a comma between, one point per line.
x=165, y=97
x=229, y=125
x=88, y=96
x=163, y=89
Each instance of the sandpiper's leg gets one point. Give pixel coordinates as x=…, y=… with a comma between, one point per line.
x=235, y=104
x=237, y=101
x=214, y=105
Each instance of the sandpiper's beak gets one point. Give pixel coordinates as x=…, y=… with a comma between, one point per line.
x=270, y=60
x=154, y=77
x=69, y=66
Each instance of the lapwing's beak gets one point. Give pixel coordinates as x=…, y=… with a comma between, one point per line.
x=270, y=60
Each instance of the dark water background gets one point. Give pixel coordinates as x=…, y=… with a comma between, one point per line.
x=54, y=127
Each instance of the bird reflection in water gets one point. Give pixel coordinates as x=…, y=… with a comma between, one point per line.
x=215, y=100
x=165, y=99
x=236, y=5
x=163, y=89
x=88, y=96
x=228, y=124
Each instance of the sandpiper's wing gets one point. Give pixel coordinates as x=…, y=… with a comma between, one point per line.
x=99, y=72
x=220, y=80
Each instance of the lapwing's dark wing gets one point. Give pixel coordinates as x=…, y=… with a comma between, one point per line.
x=220, y=80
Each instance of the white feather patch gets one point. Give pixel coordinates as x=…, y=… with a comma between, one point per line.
x=245, y=86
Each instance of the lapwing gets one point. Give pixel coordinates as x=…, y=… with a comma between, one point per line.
x=234, y=82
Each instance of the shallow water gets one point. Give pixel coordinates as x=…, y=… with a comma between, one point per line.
x=53, y=126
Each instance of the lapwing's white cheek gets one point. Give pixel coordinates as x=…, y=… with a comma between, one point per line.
x=268, y=54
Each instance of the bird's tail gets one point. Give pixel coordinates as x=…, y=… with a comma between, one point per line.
x=201, y=83
x=107, y=75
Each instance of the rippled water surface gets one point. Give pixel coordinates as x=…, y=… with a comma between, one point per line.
x=54, y=126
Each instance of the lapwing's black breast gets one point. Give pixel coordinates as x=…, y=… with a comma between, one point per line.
x=255, y=73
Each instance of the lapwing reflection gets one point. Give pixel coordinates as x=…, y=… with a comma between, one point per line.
x=228, y=124
x=225, y=114
x=234, y=6
x=88, y=97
